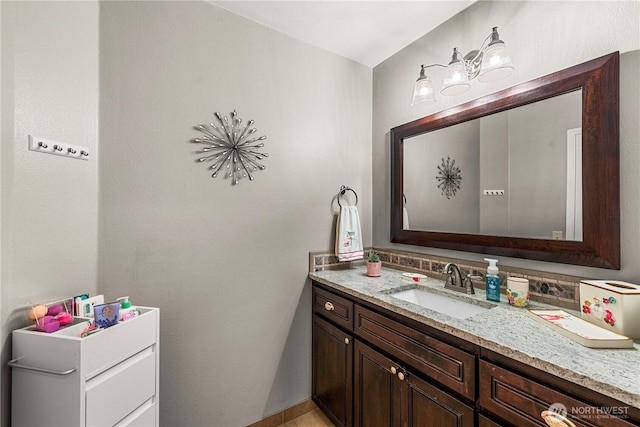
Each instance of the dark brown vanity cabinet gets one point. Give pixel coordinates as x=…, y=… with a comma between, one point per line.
x=332, y=379
x=356, y=385
x=371, y=368
x=387, y=394
x=332, y=356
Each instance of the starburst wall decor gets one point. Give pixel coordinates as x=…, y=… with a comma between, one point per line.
x=449, y=177
x=232, y=146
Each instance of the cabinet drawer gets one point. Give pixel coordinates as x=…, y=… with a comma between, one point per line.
x=521, y=401
x=115, y=344
x=117, y=392
x=443, y=363
x=145, y=416
x=486, y=422
x=333, y=307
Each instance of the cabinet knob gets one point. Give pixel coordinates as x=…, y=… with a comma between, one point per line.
x=328, y=306
x=346, y=340
x=401, y=376
x=393, y=370
x=555, y=419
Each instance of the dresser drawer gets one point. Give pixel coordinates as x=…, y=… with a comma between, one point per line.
x=144, y=416
x=445, y=364
x=337, y=309
x=117, y=343
x=117, y=392
x=521, y=401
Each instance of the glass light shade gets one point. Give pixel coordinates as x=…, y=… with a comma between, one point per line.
x=456, y=80
x=423, y=92
x=496, y=63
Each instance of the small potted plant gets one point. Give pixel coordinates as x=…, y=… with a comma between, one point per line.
x=374, y=266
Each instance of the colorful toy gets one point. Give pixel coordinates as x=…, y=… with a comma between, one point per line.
x=47, y=324
x=54, y=310
x=37, y=312
x=49, y=319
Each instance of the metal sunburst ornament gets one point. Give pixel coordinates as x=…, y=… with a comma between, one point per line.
x=233, y=147
x=449, y=177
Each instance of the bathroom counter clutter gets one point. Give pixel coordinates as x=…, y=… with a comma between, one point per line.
x=503, y=329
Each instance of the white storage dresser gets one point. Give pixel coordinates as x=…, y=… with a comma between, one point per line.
x=109, y=378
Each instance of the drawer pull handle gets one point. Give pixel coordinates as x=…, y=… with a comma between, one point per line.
x=328, y=306
x=393, y=370
x=14, y=364
x=346, y=341
x=401, y=376
x=555, y=419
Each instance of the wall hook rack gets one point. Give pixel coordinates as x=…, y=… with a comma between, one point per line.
x=49, y=146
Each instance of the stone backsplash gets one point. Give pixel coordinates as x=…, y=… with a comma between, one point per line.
x=550, y=288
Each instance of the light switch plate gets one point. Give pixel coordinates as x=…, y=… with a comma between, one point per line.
x=49, y=146
x=493, y=193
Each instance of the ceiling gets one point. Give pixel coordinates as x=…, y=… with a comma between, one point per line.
x=366, y=31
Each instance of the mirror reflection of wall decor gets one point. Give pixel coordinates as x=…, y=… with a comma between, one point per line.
x=542, y=171
x=449, y=177
x=231, y=147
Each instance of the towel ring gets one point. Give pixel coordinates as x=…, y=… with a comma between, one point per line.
x=344, y=189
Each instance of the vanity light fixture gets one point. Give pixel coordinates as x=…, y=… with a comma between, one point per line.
x=489, y=63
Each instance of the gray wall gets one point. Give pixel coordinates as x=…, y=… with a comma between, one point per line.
x=538, y=165
x=427, y=208
x=494, y=174
x=48, y=244
x=542, y=37
x=226, y=265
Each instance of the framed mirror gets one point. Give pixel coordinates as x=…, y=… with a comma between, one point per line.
x=529, y=172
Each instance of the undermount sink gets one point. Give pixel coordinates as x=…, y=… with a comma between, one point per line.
x=442, y=304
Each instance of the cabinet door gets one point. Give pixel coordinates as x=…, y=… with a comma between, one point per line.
x=377, y=392
x=424, y=405
x=386, y=395
x=332, y=366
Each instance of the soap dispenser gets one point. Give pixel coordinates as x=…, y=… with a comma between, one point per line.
x=492, y=281
x=126, y=310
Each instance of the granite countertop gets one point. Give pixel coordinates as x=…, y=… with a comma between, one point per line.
x=503, y=329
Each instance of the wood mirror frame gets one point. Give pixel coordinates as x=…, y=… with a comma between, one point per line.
x=600, y=246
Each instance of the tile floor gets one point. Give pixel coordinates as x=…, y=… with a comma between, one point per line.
x=314, y=418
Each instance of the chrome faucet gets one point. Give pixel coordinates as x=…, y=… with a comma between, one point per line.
x=454, y=280
x=454, y=277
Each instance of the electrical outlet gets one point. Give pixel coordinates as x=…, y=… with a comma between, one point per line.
x=50, y=146
x=556, y=235
x=493, y=193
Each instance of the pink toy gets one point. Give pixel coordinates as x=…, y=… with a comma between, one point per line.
x=47, y=324
x=64, y=318
x=54, y=310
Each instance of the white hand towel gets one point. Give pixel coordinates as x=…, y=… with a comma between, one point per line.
x=405, y=219
x=349, y=235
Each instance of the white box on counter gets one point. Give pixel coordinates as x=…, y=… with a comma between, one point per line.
x=612, y=304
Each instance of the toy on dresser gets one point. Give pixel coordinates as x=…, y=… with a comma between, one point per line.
x=49, y=319
x=612, y=304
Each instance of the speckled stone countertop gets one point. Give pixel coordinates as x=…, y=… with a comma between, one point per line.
x=503, y=329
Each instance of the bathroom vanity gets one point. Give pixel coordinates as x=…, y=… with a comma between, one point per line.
x=378, y=360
